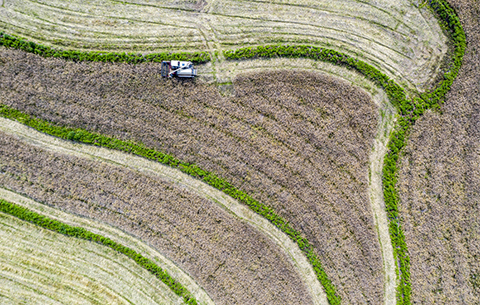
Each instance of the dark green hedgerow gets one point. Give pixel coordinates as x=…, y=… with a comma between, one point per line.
x=409, y=111
x=132, y=58
x=62, y=228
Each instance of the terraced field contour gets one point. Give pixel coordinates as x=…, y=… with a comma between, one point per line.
x=118, y=236
x=39, y=266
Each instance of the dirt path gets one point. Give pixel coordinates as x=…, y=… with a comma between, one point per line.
x=116, y=235
x=298, y=259
x=385, y=127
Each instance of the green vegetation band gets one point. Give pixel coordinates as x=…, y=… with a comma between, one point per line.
x=62, y=228
x=132, y=58
x=409, y=109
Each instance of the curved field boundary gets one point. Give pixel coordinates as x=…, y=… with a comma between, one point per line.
x=114, y=234
x=39, y=266
x=149, y=167
x=409, y=110
x=386, y=120
x=78, y=232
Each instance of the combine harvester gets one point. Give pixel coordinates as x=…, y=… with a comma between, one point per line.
x=178, y=69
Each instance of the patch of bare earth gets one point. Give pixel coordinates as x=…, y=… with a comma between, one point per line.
x=299, y=142
x=439, y=185
x=233, y=262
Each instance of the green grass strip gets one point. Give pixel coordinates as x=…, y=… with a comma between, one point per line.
x=409, y=110
x=68, y=230
x=16, y=42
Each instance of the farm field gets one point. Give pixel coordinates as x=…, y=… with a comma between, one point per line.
x=169, y=174
x=115, y=235
x=335, y=161
x=439, y=184
x=292, y=156
x=401, y=38
x=43, y=267
x=204, y=240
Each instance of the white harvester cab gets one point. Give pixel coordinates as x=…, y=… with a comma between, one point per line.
x=178, y=68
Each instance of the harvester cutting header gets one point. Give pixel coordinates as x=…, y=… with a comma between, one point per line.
x=178, y=69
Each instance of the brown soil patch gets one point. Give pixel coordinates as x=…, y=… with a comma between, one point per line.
x=298, y=142
x=439, y=184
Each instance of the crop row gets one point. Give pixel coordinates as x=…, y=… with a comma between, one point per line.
x=132, y=58
x=68, y=230
x=409, y=109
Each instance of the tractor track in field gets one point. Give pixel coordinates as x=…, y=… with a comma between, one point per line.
x=140, y=164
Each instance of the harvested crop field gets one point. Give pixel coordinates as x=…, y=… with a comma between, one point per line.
x=234, y=263
x=180, y=179
x=115, y=235
x=439, y=184
x=399, y=37
x=43, y=267
x=298, y=142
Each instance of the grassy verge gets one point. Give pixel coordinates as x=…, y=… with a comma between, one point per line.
x=409, y=109
x=132, y=58
x=57, y=226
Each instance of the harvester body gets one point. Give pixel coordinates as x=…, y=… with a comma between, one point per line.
x=178, y=68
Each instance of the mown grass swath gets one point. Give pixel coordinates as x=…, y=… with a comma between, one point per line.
x=57, y=226
x=409, y=109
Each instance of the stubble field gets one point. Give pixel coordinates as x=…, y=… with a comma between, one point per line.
x=439, y=184
x=298, y=142
x=43, y=267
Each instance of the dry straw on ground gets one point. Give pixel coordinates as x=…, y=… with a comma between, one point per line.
x=43, y=267
x=439, y=185
x=298, y=142
x=232, y=262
